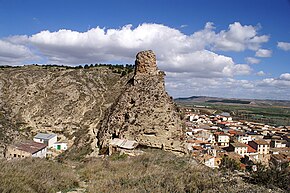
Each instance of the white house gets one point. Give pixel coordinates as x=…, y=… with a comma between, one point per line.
x=60, y=146
x=47, y=139
x=239, y=148
x=277, y=143
x=243, y=137
x=222, y=139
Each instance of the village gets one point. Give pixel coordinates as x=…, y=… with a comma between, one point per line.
x=210, y=138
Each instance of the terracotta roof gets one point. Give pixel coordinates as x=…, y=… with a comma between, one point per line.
x=250, y=149
x=220, y=133
x=232, y=132
x=30, y=146
x=197, y=147
x=224, y=123
x=195, y=141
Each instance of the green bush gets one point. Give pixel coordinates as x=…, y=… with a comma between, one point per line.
x=229, y=164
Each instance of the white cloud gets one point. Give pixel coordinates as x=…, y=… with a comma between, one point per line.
x=282, y=82
x=285, y=76
x=284, y=46
x=251, y=60
x=261, y=73
x=182, y=84
x=176, y=51
x=192, y=65
x=203, y=64
x=14, y=54
x=239, y=38
x=263, y=53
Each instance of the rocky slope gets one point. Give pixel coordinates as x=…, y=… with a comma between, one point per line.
x=69, y=102
x=90, y=106
x=8, y=131
x=144, y=112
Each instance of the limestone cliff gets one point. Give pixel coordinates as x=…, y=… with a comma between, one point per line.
x=144, y=111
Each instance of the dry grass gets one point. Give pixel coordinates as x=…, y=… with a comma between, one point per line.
x=35, y=175
x=156, y=171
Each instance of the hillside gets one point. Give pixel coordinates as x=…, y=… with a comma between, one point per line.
x=69, y=102
x=233, y=101
x=80, y=104
x=154, y=171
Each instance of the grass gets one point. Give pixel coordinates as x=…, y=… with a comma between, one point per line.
x=35, y=175
x=154, y=171
x=157, y=171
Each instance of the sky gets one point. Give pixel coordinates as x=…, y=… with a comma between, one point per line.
x=222, y=48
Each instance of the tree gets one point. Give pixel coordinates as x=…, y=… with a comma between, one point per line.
x=229, y=163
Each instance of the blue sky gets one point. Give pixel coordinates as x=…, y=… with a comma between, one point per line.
x=223, y=48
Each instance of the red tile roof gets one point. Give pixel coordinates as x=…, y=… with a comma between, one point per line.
x=232, y=132
x=250, y=149
x=197, y=147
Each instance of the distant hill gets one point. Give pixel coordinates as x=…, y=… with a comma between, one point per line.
x=235, y=101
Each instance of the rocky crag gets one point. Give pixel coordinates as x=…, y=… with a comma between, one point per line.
x=86, y=107
x=144, y=111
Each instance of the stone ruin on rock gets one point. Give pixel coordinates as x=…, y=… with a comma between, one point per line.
x=144, y=112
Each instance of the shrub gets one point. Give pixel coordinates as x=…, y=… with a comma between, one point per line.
x=271, y=177
x=230, y=164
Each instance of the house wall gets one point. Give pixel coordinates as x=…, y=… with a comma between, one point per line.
x=241, y=150
x=277, y=144
x=63, y=146
x=40, y=154
x=263, y=149
x=49, y=142
x=13, y=153
x=244, y=139
x=223, y=140
x=52, y=141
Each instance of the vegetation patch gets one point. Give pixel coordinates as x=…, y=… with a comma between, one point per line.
x=35, y=175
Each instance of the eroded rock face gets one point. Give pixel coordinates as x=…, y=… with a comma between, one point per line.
x=68, y=102
x=144, y=112
x=87, y=107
